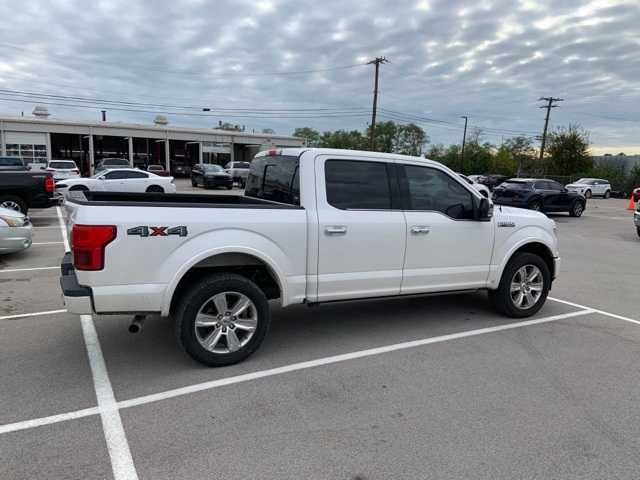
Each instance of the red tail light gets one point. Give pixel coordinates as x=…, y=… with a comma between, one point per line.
x=75, y=170
x=88, y=243
x=49, y=184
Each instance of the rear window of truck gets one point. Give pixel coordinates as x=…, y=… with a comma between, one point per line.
x=274, y=178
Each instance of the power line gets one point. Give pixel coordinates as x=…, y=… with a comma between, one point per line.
x=550, y=104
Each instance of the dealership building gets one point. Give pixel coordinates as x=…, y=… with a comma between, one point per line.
x=39, y=139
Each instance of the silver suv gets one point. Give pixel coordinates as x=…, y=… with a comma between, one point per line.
x=238, y=171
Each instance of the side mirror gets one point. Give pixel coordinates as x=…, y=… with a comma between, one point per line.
x=485, y=210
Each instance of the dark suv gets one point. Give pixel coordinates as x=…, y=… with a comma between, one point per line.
x=539, y=194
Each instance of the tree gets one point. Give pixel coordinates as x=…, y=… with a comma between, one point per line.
x=569, y=151
x=350, y=140
x=503, y=162
x=311, y=136
x=386, y=133
x=523, y=154
x=633, y=180
x=410, y=139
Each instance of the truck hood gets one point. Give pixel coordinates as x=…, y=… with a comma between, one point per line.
x=522, y=217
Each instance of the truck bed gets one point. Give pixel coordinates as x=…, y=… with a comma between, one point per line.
x=181, y=200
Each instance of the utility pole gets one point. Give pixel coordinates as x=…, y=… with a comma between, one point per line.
x=377, y=63
x=104, y=115
x=464, y=140
x=548, y=106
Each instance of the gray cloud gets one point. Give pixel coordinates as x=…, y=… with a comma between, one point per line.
x=489, y=59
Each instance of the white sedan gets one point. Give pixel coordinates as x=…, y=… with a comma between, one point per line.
x=119, y=180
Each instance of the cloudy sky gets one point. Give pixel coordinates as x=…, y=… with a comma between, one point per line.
x=281, y=64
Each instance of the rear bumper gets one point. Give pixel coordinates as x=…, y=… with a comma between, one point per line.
x=218, y=182
x=43, y=201
x=77, y=298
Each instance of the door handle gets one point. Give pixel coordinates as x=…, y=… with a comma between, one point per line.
x=335, y=230
x=420, y=229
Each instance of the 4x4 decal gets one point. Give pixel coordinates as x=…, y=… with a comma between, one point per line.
x=148, y=231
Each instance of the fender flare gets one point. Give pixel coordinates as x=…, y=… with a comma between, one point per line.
x=179, y=275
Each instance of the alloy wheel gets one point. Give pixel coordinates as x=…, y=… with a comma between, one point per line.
x=226, y=322
x=527, y=285
x=11, y=205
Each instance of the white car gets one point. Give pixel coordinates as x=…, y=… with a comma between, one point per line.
x=119, y=180
x=238, y=171
x=590, y=187
x=483, y=189
x=63, y=169
x=325, y=225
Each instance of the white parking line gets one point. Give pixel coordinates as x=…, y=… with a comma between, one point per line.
x=47, y=243
x=595, y=310
x=39, y=422
x=63, y=230
x=34, y=314
x=119, y=452
x=115, y=437
x=291, y=368
x=30, y=269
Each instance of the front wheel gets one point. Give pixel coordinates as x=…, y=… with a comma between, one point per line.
x=576, y=209
x=13, y=203
x=524, y=286
x=222, y=319
x=588, y=194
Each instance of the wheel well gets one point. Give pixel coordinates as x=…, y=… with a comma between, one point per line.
x=542, y=251
x=78, y=187
x=243, y=264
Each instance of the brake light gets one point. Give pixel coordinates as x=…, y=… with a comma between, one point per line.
x=75, y=170
x=273, y=153
x=88, y=243
x=49, y=184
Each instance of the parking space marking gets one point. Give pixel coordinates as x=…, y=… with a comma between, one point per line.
x=117, y=444
x=39, y=422
x=33, y=314
x=30, y=269
x=595, y=310
x=133, y=402
x=63, y=230
x=47, y=243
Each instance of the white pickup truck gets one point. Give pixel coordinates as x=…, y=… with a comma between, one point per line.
x=314, y=225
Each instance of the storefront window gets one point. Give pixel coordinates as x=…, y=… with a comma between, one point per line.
x=29, y=153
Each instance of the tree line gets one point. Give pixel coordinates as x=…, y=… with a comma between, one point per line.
x=566, y=157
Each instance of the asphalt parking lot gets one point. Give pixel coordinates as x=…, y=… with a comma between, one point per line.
x=419, y=388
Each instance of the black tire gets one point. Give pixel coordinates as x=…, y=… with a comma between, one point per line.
x=14, y=203
x=193, y=183
x=501, y=298
x=155, y=189
x=607, y=194
x=638, y=231
x=577, y=208
x=535, y=205
x=588, y=194
x=229, y=187
x=197, y=295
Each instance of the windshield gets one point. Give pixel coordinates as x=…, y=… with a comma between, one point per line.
x=58, y=164
x=11, y=162
x=115, y=161
x=585, y=180
x=212, y=168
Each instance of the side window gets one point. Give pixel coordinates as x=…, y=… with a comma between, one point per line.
x=432, y=189
x=552, y=185
x=541, y=186
x=357, y=185
x=117, y=175
x=135, y=175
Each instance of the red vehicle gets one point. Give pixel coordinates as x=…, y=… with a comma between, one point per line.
x=158, y=170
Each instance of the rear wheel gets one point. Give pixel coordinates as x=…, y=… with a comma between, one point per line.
x=607, y=194
x=155, y=189
x=524, y=286
x=13, y=203
x=576, y=209
x=222, y=319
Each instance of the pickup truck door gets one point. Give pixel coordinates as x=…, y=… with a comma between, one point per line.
x=446, y=249
x=361, y=236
